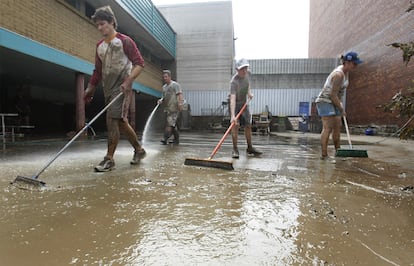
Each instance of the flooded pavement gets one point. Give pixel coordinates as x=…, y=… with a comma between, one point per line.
x=285, y=208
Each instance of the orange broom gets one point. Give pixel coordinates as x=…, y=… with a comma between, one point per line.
x=209, y=162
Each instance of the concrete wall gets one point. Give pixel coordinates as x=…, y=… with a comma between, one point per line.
x=205, y=46
x=366, y=27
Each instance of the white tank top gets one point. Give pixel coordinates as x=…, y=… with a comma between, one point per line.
x=325, y=94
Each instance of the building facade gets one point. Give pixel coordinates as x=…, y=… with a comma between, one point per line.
x=205, y=65
x=205, y=43
x=47, y=50
x=366, y=27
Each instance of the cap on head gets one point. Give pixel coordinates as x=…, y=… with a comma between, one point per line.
x=352, y=57
x=242, y=63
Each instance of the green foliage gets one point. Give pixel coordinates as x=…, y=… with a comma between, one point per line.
x=402, y=103
x=406, y=48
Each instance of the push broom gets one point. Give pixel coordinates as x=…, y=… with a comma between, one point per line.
x=350, y=152
x=34, y=179
x=209, y=162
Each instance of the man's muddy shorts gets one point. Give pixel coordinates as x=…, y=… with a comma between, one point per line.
x=172, y=118
x=119, y=109
x=245, y=118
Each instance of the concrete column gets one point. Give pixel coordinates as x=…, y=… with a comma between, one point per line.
x=80, y=104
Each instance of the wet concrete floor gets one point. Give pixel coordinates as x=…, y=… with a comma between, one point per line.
x=285, y=208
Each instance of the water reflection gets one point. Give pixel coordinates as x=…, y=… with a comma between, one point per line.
x=284, y=208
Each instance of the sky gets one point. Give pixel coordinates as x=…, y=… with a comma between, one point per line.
x=266, y=29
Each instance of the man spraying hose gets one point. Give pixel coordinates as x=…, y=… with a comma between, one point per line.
x=172, y=100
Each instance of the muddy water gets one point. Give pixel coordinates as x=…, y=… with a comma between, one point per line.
x=285, y=208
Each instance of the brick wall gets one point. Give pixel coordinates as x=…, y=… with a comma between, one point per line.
x=365, y=26
x=58, y=25
x=52, y=23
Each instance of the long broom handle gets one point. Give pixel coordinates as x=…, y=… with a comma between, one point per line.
x=228, y=130
x=77, y=135
x=347, y=132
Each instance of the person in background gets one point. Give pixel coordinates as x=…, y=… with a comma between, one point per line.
x=118, y=62
x=329, y=104
x=239, y=91
x=172, y=100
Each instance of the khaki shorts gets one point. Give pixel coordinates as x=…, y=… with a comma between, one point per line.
x=245, y=118
x=172, y=119
x=120, y=108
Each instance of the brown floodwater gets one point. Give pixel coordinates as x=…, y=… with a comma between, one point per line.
x=285, y=208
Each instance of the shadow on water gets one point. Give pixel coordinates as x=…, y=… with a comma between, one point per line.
x=284, y=208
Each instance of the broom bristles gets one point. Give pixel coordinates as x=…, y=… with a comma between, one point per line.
x=209, y=163
x=22, y=180
x=351, y=153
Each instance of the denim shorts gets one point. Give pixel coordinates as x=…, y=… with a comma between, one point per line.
x=327, y=109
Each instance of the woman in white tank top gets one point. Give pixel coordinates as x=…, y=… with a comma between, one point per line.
x=329, y=104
